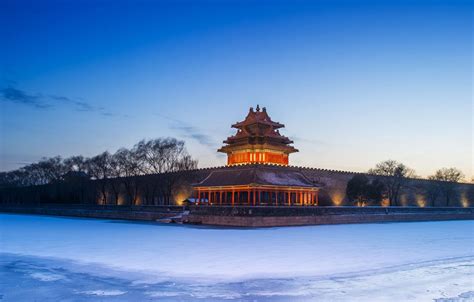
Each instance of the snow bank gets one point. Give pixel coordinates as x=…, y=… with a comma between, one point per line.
x=171, y=251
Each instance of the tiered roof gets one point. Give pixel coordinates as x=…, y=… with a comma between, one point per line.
x=258, y=129
x=256, y=175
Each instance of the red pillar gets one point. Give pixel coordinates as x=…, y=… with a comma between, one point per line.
x=254, y=196
x=233, y=195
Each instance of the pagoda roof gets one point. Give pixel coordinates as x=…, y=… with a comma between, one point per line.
x=258, y=117
x=270, y=132
x=256, y=175
x=258, y=129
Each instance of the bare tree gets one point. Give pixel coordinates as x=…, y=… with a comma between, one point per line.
x=19, y=178
x=115, y=173
x=446, y=181
x=129, y=167
x=75, y=164
x=163, y=155
x=394, y=176
x=47, y=170
x=363, y=191
x=432, y=192
x=160, y=155
x=99, y=168
x=186, y=163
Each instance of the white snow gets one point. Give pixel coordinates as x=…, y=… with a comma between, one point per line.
x=46, y=277
x=410, y=261
x=103, y=292
x=161, y=294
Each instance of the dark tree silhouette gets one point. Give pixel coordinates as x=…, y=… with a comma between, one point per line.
x=363, y=191
x=393, y=175
x=129, y=169
x=112, y=174
x=446, y=179
x=99, y=168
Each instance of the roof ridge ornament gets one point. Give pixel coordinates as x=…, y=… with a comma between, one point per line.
x=258, y=108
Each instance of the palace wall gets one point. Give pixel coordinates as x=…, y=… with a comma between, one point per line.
x=174, y=188
x=293, y=216
x=263, y=216
x=415, y=192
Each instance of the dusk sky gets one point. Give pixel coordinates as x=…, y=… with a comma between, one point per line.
x=354, y=82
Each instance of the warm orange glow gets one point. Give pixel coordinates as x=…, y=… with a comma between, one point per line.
x=464, y=200
x=257, y=156
x=180, y=197
x=254, y=194
x=120, y=201
x=138, y=201
x=420, y=201
x=337, y=198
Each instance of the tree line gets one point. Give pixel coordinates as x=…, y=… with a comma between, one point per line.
x=389, y=177
x=112, y=172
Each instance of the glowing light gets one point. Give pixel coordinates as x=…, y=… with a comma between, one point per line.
x=120, y=201
x=257, y=156
x=464, y=200
x=337, y=198
x=138, y=201
x=180, y=197
x=420, y=201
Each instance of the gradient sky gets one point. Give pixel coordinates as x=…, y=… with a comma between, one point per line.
x=355, y=82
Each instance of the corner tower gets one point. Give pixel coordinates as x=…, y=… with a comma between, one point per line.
x=257, y=140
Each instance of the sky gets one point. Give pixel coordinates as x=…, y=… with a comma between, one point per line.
x=354, y=82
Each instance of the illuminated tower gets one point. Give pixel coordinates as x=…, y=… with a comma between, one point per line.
x=257, y=140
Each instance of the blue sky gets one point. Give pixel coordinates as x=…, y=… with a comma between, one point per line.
x=355, y=82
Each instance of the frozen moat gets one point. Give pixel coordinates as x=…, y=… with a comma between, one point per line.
x=66, y=259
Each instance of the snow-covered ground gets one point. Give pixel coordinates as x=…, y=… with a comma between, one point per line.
x=71, y=259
